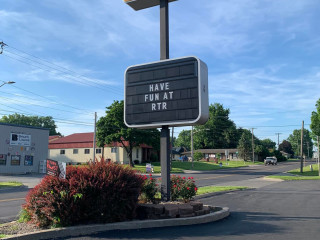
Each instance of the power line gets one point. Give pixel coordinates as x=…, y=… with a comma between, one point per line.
x=59, y=68
x=51, y=100
x=33, y=104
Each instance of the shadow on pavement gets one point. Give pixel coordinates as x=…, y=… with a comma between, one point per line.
x=238, y=223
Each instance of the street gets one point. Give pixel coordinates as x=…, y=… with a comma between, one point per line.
x=236, y=175
x=12, y=199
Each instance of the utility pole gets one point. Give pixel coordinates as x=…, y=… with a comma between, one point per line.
x=171, y=155
x=252, y=145
x=192, y=147
x=318, y=156
x=301, y=149
x=94, y=137
x=278, y=139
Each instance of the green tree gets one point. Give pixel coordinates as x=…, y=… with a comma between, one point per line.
x=245, y=145
x=269, y=144
x=34, y=121
x=218, y=132
x=184, y=139
x=286, y=146
x=260, y=150
x=111, y=128
x=295, y=140
x=315, y=120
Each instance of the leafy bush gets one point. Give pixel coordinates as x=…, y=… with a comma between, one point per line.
x=102, y=192
x=136, y=161
x=182, y=188
x=149, y=189
x=279, y=156
x=197, y=156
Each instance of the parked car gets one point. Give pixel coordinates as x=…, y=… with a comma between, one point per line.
x=270, y=160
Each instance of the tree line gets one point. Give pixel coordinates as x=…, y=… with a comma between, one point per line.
x=220, y=132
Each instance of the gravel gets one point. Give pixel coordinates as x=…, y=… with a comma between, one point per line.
x=13, y=228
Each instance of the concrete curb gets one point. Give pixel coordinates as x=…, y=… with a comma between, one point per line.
x=93, y=229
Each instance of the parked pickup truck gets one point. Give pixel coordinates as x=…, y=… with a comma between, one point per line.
x=270, y=160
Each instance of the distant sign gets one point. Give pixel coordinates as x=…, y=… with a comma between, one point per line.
x=170, y=92
x=17, y=139
x=55, y=168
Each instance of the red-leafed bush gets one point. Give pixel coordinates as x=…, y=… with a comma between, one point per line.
x=102, y=192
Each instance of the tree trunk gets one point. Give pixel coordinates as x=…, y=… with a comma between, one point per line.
x=130, y=157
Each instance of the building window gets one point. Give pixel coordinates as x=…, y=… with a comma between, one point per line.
x=62, y=151
x=114, y=150
x=137, y=153
x=28, y=160
x=75, y=151
x=98, y=150
x=87, y=151
x=15, y=160
x=3, y=159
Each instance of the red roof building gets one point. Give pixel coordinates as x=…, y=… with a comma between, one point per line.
x=78, y=148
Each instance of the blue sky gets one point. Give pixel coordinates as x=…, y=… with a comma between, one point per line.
x=68, y=57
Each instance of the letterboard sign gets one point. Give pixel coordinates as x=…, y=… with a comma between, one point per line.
x=166, y=93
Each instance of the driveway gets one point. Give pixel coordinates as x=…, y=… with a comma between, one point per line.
x=284, y=210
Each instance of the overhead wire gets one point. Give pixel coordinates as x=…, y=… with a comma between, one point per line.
x=38, y=105
x=69, y=73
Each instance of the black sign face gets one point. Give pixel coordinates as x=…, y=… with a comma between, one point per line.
x=171, y=92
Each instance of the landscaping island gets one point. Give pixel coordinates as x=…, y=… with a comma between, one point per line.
x=102, y=197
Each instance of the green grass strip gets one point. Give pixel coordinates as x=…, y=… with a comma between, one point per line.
x=295, y=178
x=307, y=174
x=3, y=235
x=10, y=184
x=307, y=171
x=211, y=189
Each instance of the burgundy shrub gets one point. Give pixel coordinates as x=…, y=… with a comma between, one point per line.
x=102, y=192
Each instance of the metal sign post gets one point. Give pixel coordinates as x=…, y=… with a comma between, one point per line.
x=165, y=132
x=166, y=93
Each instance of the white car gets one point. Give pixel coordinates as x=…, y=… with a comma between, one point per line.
x=270, y=160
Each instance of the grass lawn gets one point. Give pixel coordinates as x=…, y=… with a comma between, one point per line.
x=10, y=184
x=306, y=175
x=211, y=189
x=293, y=178
x=306, y=171
x=178, y=167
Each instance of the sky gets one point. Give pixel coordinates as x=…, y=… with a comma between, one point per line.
x=68, y=58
